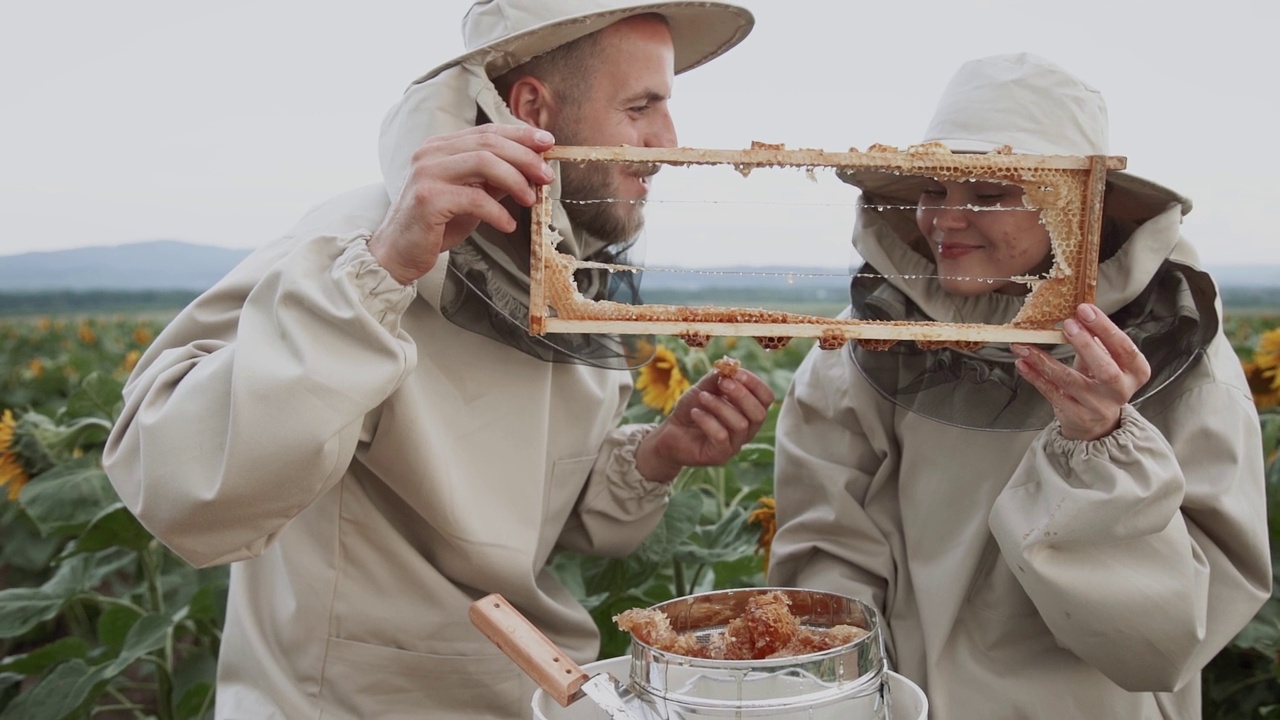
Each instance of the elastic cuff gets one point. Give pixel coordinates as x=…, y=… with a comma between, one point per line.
x=1124, y=434
x=384, y=297
x=622, y=462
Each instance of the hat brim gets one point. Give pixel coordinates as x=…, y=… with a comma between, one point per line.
x=700, y=32
x=1129, y=196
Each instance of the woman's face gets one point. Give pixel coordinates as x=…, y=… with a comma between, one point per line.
x=981, y=235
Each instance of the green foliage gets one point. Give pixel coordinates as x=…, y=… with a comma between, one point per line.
x=44, y=362
x=96, y=618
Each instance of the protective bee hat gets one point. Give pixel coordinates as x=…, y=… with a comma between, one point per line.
x=503, y=34
x=1033, y=106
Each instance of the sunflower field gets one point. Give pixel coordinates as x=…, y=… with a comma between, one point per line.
x=98, y=620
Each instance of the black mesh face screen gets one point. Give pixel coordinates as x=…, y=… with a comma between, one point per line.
x=1171, y=321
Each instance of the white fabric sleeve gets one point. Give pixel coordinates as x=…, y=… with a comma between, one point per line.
x=618, y=508
x=1141, y=549
x=249, y=405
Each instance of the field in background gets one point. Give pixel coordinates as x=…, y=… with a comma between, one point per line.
x=820, y=301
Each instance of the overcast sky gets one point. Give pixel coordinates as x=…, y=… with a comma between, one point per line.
x=220, y=123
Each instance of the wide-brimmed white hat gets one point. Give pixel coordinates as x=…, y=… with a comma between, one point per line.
x=1035, y=107
x=502, y=34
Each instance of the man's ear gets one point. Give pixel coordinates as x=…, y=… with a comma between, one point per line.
x=531, y=100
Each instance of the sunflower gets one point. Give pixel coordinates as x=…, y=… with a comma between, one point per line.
x=86, y=333
x=130, y=361
x=766, y=516
x=11, y=473
x=1264, y=395
x=142, y=335
x=661, y=381
x=7, y=425
x=1267, y=356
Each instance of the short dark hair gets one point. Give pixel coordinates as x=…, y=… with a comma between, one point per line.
x=568, y=70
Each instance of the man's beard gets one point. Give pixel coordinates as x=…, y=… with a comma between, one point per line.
x=603, y=216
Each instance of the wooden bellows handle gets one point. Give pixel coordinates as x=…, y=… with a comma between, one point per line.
x=554, y=671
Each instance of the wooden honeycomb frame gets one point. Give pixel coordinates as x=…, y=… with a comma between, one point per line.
x=1068, y=191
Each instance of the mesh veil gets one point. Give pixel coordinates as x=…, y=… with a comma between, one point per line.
x=486, y=291
x=1172, y=321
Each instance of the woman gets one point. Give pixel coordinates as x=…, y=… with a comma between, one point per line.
x=1068, y=531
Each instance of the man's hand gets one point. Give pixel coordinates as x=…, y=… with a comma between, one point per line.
x=709, y=425
x=1108, y=370
x=456, y=182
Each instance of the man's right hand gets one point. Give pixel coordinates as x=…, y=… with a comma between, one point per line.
x=456, y=182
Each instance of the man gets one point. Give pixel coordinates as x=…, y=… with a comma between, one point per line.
x=359, y=420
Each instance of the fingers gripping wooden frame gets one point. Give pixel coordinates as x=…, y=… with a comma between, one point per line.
x=1067, y=190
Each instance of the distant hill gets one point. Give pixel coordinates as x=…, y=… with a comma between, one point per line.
x=173, y=265
x=155, y=265
x=1246, y=276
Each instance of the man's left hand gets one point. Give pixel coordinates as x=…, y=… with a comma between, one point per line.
x=709, y=425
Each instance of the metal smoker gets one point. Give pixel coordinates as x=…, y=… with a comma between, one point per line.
x=846, y=682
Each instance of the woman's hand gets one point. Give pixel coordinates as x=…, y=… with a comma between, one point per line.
x=1108, y=370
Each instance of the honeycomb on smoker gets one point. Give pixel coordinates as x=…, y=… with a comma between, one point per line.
x=766, y=629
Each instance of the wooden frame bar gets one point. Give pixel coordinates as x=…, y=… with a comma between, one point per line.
x=556, y=306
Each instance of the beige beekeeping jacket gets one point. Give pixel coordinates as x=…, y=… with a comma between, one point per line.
x=1024, y=575
x=370, y=469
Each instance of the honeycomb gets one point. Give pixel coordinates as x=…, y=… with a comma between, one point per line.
x=1067, y=191
x=766, y=629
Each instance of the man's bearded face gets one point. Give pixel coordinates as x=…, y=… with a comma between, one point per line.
x=622, y=187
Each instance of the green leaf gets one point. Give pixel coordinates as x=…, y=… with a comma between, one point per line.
x=199, y=595
x=9, y=684
x=98, y=395
x=684, y=508
x=743, y=571
x=58, y=694
x=615, y=576
x=30, y=438
x=22, y=547
x=24, y=608
x=193, y=683
x=80, y=573
x=207, y=604
x=193, y=700
x=115, y=526
x=1263, y=631
x=1270, y=431
x=114, y=624
x=146, y=635
x=42, y=443
x=728, y=539
x=43, y=658
x=67, y=498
